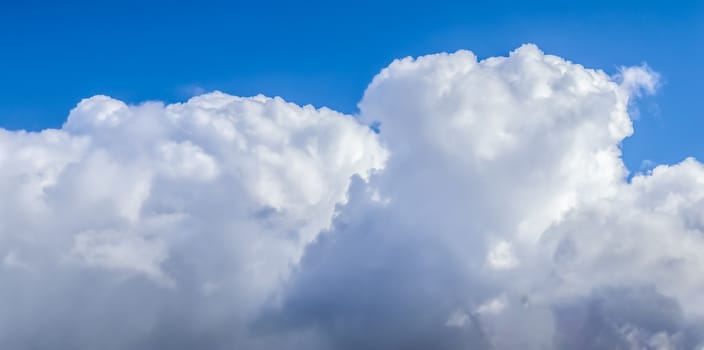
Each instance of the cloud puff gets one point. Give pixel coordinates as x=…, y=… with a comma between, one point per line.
x=492, y=211
x=129, y=214
x=510, y=222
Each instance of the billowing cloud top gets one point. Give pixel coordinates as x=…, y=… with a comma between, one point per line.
x=492, y=211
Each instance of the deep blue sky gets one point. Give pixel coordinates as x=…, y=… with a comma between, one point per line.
x=325, y=53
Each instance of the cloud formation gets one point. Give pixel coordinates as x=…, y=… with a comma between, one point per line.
x=491, y=211
x=137, y=223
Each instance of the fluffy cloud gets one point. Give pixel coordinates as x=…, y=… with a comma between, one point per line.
x=492, y=211
x=149, y=220
x=509, y=222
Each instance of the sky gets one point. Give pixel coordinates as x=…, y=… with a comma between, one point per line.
x=324, y=53
x=363, y=175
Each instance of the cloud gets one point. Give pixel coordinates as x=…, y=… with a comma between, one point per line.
x=511, y=222
x=488, y=209
x=636, y=80
x=145, y=220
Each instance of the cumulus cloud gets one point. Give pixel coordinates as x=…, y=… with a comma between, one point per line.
x=147, y=221
x=491, y=211
x=511, y=222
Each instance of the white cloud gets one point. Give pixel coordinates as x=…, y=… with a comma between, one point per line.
x=492, y=306
x=11, y=260
x=505, y=178
x=122, y=251
x=501, y=256
x=503, y=218
x=457, y=319
x=636, y=80
x=219, y=194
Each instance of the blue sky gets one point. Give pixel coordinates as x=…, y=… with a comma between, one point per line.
x=326, y=53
